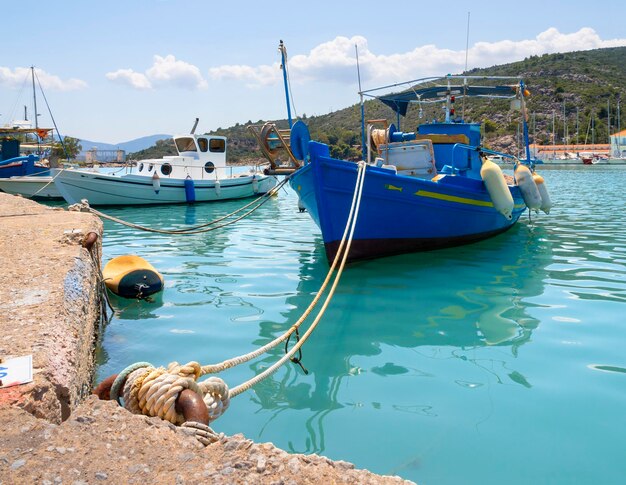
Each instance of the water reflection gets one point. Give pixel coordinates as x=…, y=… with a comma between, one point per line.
x=409, y=302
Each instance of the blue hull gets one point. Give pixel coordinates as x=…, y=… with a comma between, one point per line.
x=398, y=214
x=21, y=166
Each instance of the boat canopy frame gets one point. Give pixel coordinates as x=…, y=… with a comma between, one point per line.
x=424, y=90
x=439, y=93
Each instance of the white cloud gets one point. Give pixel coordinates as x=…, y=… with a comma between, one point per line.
x=252, y=76
x=336, y=60
x=165, y=71
x=130, y=78
x=17, y=77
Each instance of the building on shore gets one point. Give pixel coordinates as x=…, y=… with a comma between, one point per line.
x=566, y=152
x=94, y=156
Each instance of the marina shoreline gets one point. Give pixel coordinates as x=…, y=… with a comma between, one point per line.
x=54, y=429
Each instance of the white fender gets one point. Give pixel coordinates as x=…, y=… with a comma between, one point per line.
x=255, y=184
x=546, y=203
x=528, y=187
x=156, y=183
x=218, y=188
x=498, y=189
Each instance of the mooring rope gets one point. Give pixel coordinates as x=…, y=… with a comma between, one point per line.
x=153, y=391
x=83, y=206
x=50, y=182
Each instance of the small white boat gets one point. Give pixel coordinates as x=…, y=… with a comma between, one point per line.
x=33, y=186
x=197, y=174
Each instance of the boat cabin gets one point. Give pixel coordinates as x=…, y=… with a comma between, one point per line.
x=199, y=156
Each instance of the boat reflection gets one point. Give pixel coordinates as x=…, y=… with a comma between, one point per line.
x=408, y=302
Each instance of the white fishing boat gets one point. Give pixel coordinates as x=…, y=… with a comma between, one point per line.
x=197, y=174
x=40, y=186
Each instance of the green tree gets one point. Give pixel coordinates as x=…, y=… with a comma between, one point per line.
x=71, y=150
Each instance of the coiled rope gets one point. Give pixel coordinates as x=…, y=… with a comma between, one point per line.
x=153, y=391
x=83, y=206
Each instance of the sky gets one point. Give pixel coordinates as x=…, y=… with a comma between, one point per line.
x=117, y=70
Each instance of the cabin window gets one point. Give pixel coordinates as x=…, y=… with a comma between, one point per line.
x=150, y=167
x=141, y=166
x=217, y=145
x=185, y=145
x=209, y=167
x=203, y=143
x=166, y=169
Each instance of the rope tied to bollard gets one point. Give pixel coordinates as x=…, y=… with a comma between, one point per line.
x=145, y=389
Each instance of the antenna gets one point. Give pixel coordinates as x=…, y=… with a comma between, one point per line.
x=195, y=125
x=467, y=40
x=358, y=72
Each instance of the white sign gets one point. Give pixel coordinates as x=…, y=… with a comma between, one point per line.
x=14, y=372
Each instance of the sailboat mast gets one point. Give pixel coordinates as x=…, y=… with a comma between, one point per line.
x=283, y=56
x=608, y=119
x=32, y=73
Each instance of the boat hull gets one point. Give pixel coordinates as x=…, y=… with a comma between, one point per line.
x=129, y=189
x=32, y=187
x=398, y=214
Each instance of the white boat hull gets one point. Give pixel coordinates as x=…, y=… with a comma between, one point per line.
x=131, y=189
x=32, y=187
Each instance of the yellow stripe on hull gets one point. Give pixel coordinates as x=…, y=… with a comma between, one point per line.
x=453, y=198
x=460, y=200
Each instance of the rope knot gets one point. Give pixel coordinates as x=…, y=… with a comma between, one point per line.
x=154, y=391
x=190, y=369
x=82, y=206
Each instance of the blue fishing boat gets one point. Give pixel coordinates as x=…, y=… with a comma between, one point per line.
x=429, y=189
x=25, y=156
x=13, y=163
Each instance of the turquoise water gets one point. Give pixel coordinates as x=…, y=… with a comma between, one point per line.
x=499, y=362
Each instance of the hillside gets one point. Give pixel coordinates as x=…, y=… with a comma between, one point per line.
x=567, y=90
x=129, y=146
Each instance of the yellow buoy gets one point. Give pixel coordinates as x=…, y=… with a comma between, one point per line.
x=131, y=276
x=546, y=203
x=527, y=186
x=498, y=189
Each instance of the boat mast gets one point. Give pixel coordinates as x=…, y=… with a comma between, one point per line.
x=553, y=136
x=283, y=66
x=358, y=72
x=448, y=104
x=608, y=119
x=522, y=90
x=32, y=74
x=619, y=129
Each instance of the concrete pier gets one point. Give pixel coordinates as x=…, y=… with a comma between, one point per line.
x=53, y=431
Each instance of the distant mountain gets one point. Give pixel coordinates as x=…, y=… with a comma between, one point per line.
x=128, y=146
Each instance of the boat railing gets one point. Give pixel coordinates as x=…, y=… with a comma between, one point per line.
x=481, y=151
